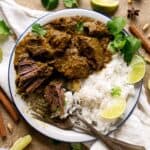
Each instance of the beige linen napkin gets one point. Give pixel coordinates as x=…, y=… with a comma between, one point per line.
x=137, y=128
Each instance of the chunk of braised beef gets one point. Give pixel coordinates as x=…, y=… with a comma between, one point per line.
x=67, y=24
x=59, y=40
x=72, y=66
x=91, y=49
x=54, y=94
x=95, y=28
x=38, y=47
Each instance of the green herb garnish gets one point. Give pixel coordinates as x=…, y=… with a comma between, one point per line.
x=126, y=44
x=1, y=55
x=116, y=25
x=116, y=91
x=71, y=3
x=118, y=43
x=50, y=4
x=80, y=26
x=4, y=29
x=38, y=29
x=131, y=47
x=76, y=146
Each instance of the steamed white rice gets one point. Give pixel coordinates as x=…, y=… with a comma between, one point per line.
x=95, y=92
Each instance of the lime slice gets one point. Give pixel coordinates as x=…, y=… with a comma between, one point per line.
x=21, y=143
x=106, y=6
x=114, y=109
x=138, y=68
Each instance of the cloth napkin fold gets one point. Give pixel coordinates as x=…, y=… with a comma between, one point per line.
x=137, y=128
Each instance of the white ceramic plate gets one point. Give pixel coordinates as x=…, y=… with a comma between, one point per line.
x=47, y=129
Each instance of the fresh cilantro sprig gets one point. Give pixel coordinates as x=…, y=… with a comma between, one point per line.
x=38, y=29
x=71, y=3
x=131, y=47
x=116, y=25
x=116, y=91
x=4, y=29
x=50, y=4
x=118, y=43
x=76, y=146
x=126, y=44
x=80, y=26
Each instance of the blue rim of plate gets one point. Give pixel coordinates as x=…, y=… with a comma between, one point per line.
x=11, y=55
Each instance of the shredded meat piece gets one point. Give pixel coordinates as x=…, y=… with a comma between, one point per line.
x=90, y=48
x=33, y=86
x=54, y=94
x=32, y=74
x=72, y=66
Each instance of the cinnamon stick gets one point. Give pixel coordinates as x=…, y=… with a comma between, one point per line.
x=139, y=34
x=4, y=99
x=2, y=127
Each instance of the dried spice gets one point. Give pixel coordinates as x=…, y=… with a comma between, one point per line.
x=10, y=128
x=146, y=27
x=133, y=13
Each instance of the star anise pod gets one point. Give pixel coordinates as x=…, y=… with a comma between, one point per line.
x=132, y=13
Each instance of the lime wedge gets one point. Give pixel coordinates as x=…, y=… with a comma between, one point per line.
x=106, y=6
x=114, y=109
x=138, y=68
x=21, y=143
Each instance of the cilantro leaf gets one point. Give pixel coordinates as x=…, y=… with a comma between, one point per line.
x=131, y=47
x=127, y=45
x=38, y=29
x=50, y=4
x=116, y=25
x=1, y=55
x=116, y=91
x=4, y=29
x=80, y=26
x=76, y=146
x=71, y=3
x=118, y=43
